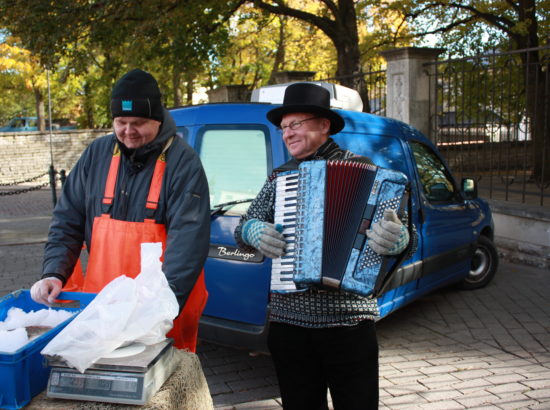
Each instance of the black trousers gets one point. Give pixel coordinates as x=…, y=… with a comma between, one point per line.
x=342, y=359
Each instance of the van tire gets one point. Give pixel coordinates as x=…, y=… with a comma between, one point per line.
x=484, y=265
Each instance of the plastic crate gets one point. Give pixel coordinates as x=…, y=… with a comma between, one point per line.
x=24, y=373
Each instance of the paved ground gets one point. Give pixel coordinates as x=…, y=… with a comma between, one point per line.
x=484, y=349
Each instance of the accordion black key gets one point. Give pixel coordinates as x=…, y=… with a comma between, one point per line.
x=325, y=208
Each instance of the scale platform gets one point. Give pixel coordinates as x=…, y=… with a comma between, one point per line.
x=130, y=375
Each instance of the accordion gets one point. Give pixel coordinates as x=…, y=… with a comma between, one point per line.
x=325, y=208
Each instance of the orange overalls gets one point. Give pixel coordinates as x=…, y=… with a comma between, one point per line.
x=115, y=250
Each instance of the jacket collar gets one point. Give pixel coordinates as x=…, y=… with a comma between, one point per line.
x=326, y=151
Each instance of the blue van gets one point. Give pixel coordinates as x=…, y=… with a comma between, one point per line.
x=239, y=148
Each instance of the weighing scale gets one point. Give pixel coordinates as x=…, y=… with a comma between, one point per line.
x=129, y=375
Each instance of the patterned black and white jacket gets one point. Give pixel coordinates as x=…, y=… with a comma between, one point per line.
x=313, y=308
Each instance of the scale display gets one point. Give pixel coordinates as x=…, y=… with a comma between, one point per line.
x=96, y=385
x=130, y=380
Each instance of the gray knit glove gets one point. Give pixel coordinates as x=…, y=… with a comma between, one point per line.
x=388, y=236
x=265, y=237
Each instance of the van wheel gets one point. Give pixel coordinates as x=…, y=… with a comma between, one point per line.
x=484, y=265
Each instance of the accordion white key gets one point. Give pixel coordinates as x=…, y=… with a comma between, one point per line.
x=325, y=208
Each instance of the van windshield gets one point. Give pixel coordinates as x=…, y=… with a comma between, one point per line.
x=236, y=165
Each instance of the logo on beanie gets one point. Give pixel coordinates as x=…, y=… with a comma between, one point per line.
x=126, y=105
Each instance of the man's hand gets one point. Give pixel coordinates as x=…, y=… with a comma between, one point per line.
x=388, y=236
x=265, y=237
x=46, y=290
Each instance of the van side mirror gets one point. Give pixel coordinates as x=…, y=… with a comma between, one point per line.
x=469, y=188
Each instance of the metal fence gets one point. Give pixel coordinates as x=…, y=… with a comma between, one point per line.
x=490, y=120
x=373, y=83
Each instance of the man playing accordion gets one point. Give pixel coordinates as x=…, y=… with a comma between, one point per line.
x=318, y=339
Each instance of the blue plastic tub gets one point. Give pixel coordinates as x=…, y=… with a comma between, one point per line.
x=24, y=373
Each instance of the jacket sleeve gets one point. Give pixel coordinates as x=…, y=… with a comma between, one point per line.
x=67, y=228
x=187, y=225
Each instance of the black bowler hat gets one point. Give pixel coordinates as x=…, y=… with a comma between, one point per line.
x=307, y=97
x=137, y=94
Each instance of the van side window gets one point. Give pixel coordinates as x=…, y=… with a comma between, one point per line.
x=434, y=177
x=236, y=165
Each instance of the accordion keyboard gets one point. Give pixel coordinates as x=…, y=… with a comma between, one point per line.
x=285, y=215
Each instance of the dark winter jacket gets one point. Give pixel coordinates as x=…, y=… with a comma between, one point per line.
x=184, y=206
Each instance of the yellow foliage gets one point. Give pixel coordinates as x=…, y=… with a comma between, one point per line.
x=18, y=61
x=256, y=41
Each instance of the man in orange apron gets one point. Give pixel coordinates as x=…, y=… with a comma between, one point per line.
x=141, y=184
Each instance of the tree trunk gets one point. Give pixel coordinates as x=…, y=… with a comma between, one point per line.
x=346, y=42
x=349, y=72
x=40, y=110
x=189, y=90
x=279, y=61
x=537, y=85
x=176, y=90
x=538, y=112
x=88, y=106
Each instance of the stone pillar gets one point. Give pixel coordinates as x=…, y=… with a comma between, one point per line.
x=408, y=86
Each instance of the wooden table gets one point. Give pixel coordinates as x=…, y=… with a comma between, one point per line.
x=185, y=389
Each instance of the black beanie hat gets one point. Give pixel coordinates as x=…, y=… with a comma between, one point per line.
x=136, y=94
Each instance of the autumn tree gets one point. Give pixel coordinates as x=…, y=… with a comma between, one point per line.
x=178, y=41
x=15, y=98
x=338, y=20
x=19, y=62
x=345, y=23
x=261, y=44
x=466, y=25
x=173, y=40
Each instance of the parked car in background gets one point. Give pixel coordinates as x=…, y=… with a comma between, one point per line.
x=239, y=148
x=21, y=124
x=18, y=124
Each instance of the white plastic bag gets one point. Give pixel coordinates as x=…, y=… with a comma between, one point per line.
x=126, y=310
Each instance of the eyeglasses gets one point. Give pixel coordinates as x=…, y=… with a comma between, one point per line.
x=296, y=124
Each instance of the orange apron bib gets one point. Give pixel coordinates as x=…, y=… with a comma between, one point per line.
x=115, y=250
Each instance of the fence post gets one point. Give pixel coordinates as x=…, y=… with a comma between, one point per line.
x=408, y=85
x=62, y=177
x=52, y=184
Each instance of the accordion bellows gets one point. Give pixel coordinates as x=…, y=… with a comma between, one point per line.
x=325, y=208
